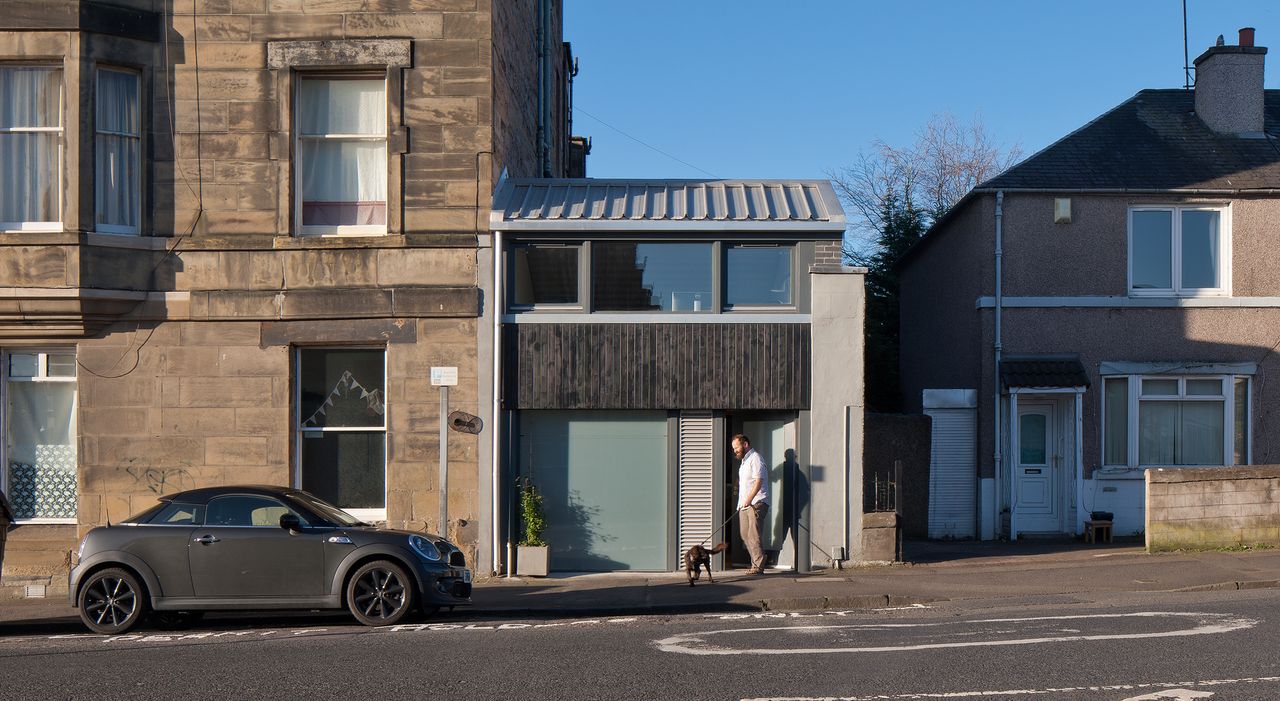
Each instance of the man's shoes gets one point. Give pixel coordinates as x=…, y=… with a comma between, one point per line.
x=754, y=571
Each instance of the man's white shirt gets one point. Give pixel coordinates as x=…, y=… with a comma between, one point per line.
x=752, y=468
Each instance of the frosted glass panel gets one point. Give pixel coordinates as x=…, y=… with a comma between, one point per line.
x=41, y=449
x=605, y=482
x=1032, y=439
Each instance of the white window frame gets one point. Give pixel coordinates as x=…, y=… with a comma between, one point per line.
x=62, y=145
x=1134, y=396
x=137, y=144
x=42, y=375
x=298, y=138
x=366, y=515
x=1175, y=241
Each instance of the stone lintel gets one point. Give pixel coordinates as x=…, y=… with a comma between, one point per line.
x=284, y=333
x=340, y=52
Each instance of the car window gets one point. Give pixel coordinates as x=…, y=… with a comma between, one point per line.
x=177, y=514
x=246, y=510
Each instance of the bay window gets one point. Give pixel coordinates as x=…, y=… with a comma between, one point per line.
x=341, y=153
x=117, y=153
x=30, y=148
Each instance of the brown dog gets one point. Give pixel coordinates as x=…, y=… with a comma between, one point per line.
x=698, y=557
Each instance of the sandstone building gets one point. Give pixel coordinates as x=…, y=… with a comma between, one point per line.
x=236, y=235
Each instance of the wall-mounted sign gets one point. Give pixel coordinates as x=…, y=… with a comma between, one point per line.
x=444, y=377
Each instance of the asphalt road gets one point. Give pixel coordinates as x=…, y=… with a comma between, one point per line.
x=1186, y=646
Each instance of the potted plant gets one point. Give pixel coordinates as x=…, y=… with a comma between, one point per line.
x=532, y=553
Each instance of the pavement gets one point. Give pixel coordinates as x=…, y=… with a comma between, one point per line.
x=936, y=571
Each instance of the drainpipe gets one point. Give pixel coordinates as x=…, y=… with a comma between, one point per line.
x=544, y=87
x=495, y=425
x=999, y=253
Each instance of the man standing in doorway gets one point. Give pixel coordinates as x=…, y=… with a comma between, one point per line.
x=753, y=499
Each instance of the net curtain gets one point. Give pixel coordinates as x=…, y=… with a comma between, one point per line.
x=117, y=150
x=344, y=176
x=30, y=98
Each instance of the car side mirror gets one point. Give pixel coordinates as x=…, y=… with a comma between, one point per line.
x=290, y=522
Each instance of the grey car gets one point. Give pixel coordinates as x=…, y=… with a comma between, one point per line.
x=259, y=547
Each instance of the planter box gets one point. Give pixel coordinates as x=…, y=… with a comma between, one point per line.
x=532, y=561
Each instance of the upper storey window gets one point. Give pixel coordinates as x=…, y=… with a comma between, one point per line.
x=342, y=154
x=118, y=153
x=1179, y=251
x=30, y=148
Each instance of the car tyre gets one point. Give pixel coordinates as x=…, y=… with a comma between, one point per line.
x=112, y=601
x=380, y=593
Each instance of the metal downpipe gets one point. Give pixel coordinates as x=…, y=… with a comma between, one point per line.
x=998, y=350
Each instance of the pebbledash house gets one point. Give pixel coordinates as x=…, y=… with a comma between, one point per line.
x=1110, y=304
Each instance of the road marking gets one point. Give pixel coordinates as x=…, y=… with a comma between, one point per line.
x=1174, y=694
x=696, y=643
x=817, y=614
x=1174, y=687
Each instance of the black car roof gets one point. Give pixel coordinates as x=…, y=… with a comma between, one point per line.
x=204, y=494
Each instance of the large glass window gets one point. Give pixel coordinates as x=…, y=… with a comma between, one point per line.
x=342, y=154
x=118, y=153
x=758, y=275
x=668, y=277
x=30, y=148
x=544, y=274
x=342, y=428
x=40, y=436
x=605, y=481
x=1192, y=420
x=1178, y=251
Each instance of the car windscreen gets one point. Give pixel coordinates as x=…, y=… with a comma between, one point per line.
x=328, y=511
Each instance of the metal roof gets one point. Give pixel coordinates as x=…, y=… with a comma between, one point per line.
x=589, y=204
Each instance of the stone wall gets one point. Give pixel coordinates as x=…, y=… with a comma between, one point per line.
x=1212, y=507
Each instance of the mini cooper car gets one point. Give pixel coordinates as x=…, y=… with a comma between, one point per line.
x=259, y=547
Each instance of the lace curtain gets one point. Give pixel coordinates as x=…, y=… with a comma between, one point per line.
x=30, y=137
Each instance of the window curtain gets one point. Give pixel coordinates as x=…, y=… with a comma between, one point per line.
x=344, y=180
x=41, y=449
x=118, y=150
x=1200, y=250
x=29, y=99
x=1116, y=393
x=1180, y=433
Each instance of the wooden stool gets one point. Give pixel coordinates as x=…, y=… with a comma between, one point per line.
x=1097, y=531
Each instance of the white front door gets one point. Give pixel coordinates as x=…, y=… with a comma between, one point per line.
x=1037, y=485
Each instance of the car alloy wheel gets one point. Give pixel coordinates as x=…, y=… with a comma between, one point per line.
x=380, y=594
x=112, y=602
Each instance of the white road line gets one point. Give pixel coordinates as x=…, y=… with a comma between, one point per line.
x=1137, y=686
x=696, y=643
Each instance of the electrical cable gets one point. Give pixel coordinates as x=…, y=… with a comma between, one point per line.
x=642, y=143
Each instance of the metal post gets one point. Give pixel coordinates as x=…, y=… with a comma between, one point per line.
x=444, y=461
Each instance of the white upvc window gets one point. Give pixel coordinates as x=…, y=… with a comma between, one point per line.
x=38, y=408
x=31, y=148
x=1179, y=251
x=1171, y=421
x=341, y=154
x=117, y=152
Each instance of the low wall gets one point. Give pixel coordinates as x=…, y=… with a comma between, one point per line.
x=905, y=437
x=1212, y=507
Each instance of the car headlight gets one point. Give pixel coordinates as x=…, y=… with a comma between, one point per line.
x=425, y=548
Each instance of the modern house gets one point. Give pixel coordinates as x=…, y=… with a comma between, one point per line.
x=235, y=238
x=1108, y=305
x=644, y=323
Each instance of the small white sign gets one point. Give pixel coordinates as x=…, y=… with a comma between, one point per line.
x=444, y=376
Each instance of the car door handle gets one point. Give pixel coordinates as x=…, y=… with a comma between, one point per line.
x=206, y=539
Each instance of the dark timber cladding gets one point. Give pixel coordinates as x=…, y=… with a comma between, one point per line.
x=656, y=366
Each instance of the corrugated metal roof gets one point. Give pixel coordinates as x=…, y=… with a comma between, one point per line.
x=588, y=204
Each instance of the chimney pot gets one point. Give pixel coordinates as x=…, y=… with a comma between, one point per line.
x=1246, y=36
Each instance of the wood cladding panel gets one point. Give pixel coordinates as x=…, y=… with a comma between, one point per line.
x=656, y=366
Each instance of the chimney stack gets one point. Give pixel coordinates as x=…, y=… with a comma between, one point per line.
x=1229, y=93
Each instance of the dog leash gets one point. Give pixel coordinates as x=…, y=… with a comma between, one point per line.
x=726, y=522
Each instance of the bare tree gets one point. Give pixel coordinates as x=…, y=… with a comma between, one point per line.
x=947, y=160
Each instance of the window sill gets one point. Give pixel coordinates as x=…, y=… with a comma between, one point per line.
x=47, y=522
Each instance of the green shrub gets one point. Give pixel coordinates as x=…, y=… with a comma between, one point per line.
x=535, y=522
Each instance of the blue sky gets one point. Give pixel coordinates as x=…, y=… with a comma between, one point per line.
x=762, y=88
